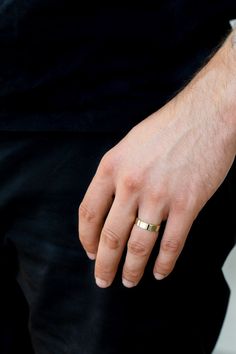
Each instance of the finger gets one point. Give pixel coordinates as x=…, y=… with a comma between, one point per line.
x=114, y=235
x=140, y=245
x=92, y=213
x=172, y=243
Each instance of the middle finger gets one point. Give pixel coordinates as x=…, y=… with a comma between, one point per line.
x=114, y=235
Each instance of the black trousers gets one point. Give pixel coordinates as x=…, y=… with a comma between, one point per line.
x=49, y=301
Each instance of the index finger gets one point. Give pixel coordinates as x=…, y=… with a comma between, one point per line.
x=93, y=211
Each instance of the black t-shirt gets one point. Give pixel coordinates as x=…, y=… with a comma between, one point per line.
x=66, y=65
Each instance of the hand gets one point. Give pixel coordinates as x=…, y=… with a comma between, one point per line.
x=166, y=168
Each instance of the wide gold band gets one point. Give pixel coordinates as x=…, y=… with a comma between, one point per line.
x=145, y=226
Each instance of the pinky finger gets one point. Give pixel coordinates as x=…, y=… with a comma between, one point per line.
x=173, y=240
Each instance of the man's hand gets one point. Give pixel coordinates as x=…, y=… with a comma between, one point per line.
x=166, y=168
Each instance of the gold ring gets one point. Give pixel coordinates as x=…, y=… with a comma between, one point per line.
x=146, y=226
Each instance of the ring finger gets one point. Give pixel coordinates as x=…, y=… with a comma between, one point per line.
x=140, y=245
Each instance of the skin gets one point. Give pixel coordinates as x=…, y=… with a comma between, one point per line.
x=166, y=168
x=233, y=40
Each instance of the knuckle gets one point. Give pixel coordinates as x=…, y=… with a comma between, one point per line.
x=131, y=274
x=163, y=267
x=183, y=203
x=133, y=183
x=103, y=272
x=85, y=213
x=106, y=166
x=87, y=245
x=171, y=245
x=158, y=195
x=180, y=205
x=111, y=238
x=137, y=248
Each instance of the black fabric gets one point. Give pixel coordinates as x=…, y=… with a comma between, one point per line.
x=100, y=66
x=43, y=177
x=93, y=71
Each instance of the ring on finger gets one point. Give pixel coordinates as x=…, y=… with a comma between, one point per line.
x=147, y=226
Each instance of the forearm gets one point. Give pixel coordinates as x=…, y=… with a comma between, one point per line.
x=212, y=92
x=224, y=63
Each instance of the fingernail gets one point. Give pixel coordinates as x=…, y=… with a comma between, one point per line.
x=127, y=283
x=101, y=283
x=91, y=255
x=159, y=276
